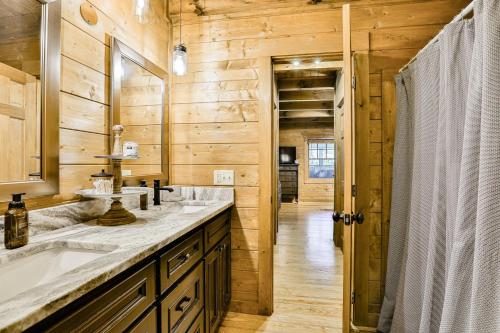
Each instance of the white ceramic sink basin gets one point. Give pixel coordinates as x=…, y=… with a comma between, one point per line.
x=37, y=268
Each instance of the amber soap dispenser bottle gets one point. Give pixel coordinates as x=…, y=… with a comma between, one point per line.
x=16, y=223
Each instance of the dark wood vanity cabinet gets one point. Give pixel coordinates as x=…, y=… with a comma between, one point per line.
x=218, y=283
x=183, y=305
x=116, y=308
x=183, y=288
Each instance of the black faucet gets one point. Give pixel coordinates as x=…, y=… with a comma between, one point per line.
x=157, y=188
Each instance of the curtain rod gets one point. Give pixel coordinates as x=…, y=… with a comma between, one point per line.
x=466, y=11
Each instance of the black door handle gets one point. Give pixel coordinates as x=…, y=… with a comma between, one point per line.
x=336, y=216
x=359, y=218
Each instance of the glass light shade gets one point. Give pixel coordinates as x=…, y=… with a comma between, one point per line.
x=141, y=10
x=179, y=60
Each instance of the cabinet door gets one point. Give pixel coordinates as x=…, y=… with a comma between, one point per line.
x=183, y=304
x=146, y=325
x=212, y=290
x=225, y=274
x=115, y=309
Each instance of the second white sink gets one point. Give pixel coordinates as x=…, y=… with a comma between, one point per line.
x=37, y=268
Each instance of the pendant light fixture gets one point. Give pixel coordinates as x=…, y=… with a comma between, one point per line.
x=179, y=59
x=141, y=11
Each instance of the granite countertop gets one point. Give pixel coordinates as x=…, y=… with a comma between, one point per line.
x=127, y=245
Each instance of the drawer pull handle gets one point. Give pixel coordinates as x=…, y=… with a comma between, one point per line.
x=185, y=257
x=183, y=304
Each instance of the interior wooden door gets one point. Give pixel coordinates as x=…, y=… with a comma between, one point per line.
x=276, y=199
x=338, y=206
x=348, y=148
x=356, y=177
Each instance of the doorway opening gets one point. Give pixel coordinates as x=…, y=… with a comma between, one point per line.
x=308, y=267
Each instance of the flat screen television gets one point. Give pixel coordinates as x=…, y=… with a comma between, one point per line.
x=287, y=155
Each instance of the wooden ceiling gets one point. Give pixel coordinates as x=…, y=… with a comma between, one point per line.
x=306, y=90
x=193, y=10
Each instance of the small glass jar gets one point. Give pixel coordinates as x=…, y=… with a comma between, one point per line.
x=103, y=182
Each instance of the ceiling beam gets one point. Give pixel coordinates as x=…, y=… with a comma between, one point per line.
x=308, y=121
x=327, y=95
x=306, y=89
x=305, y=114
x=301, y=110
x=306, y=83
x=333, y=65
x=301, y=105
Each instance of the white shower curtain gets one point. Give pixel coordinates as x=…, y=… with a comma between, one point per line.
x=443, y=271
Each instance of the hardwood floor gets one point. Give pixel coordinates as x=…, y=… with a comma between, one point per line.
x=307, y=278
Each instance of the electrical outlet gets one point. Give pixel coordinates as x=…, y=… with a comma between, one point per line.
x=223, y=177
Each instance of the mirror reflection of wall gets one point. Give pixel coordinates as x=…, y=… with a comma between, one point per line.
x=20, y=93
x=141, y=109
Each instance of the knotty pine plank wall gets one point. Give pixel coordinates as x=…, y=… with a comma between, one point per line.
x=215, y=108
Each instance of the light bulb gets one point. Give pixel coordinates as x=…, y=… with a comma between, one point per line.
x=179, y=60
x=296, y=62
x=317, y=61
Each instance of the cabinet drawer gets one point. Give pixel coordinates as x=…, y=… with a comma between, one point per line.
x=216, y=230
x=116, y=308
x=198, y=326
x=180, y=308
x=177, y=261
x=147, y=324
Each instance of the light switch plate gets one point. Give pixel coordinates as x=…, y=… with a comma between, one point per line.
x=223, y=177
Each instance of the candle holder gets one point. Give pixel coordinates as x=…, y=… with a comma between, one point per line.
x=117, y=214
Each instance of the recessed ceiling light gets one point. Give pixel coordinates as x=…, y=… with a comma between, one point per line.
x=296, y=62
x=317, y=61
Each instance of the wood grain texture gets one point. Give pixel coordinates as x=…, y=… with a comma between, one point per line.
x=307, y=273
x=224, y=46
x=85, y=86
x=218, y=154
x=349, y=169
x=266, y=227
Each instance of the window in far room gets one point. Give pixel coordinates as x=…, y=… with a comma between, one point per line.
x=321, y=160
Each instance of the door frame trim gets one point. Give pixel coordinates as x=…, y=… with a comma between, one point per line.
x=266, y=227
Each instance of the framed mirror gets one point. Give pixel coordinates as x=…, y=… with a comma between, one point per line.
x=139, y=104
x=30, y=55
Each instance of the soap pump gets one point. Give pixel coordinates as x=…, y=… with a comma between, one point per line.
x=16, y=223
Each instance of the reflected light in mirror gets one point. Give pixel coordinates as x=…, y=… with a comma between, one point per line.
x=141, y=10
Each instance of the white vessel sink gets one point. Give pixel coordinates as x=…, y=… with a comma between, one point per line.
x=39, y=267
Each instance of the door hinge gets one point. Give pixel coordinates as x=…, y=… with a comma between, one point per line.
x=353, y=297
x=354, y=190
x=353, y=82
